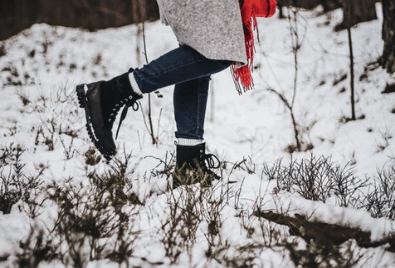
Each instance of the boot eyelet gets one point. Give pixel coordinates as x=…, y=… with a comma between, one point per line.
x=130, y=97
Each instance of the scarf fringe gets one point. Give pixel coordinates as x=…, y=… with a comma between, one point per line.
x=242, y=74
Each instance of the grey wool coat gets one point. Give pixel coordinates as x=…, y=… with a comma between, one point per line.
x=212, y=27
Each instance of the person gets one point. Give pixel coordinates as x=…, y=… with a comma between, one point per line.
x=212, y=36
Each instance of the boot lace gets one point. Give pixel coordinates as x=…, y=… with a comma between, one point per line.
x=128, y=102
x=212, y=163
x=211, y=160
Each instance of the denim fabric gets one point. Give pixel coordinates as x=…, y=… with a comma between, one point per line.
x=190, y=101
x=190, y=72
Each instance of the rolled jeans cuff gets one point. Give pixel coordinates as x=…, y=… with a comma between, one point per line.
x=134, y=84
x=189, y=142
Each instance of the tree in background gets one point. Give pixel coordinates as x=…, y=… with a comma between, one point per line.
x=348, y=21
x=387, y=60
x=16, y=15
x=361, y=10
x=356, y=12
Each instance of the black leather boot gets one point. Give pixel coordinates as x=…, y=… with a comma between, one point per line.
x=102, y=101
x=193, y=165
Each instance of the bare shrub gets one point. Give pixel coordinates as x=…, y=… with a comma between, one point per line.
x=243, y=256
x=211, y=207
x=297, y=32
x=326, y=256
x=57, y=112
x=35, y=249
x=317, y=179
x=181, y=223
x=15, y=185
x=92, y=157
x=380, y=198
x=194, y=208
x=96, y=220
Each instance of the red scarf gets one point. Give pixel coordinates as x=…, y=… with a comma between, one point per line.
x=250, y=10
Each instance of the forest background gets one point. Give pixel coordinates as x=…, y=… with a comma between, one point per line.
x=16, y=15
x=62, y=206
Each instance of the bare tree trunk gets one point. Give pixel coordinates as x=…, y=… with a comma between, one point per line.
x=358, y=11
x=348, y=22
x=329, y=5
x=307, y=4
x=352, y=87
x=387, y=60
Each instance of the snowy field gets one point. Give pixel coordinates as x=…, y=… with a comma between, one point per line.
x=39, y=115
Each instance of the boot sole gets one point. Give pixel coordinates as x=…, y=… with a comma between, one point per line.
x=81, y=91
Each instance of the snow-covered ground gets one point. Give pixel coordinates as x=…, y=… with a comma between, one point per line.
x=43, y=64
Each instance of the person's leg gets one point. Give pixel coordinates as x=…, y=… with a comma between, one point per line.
x=180, y=65
x=191, y=72
x=102, y=100
x=190, y=101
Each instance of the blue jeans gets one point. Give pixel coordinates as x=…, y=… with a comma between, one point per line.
x=190, y=72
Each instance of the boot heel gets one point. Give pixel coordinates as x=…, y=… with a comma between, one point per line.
x=81, y=95
x=82, y=100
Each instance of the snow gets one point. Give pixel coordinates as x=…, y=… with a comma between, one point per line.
x=256, y=126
